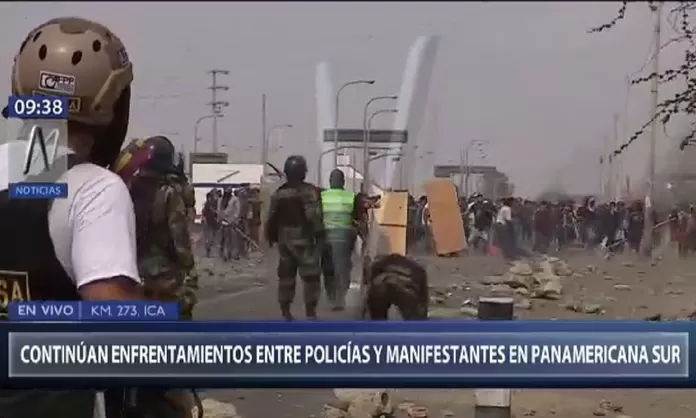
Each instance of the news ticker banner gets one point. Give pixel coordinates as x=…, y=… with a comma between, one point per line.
x=349, y=354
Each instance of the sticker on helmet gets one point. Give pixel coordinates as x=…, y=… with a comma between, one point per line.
x=74, y=105
x=123, y=57
x=57, y=83
x=121, y=163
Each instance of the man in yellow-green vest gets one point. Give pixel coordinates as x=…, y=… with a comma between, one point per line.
x=340, y=212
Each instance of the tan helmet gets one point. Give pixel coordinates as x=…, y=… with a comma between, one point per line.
x=80, y=59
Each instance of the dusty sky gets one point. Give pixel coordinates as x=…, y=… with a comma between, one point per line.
x=526, y=76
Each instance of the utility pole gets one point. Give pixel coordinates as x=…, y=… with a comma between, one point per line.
x=464, y=176
x=336, y=114
x=647, y=243
x=628, y=186
x=623, y=128
x=264, y=131
x=216, y=105
x=606, y=169
x=615, y=165
x=600, y=171
x=464, y=169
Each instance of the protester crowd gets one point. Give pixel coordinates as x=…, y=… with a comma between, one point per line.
x=515, y=226
x=231, y=220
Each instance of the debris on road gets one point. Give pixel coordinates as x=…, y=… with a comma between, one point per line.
x=578, y=286
x=217, y=409
x=360, y=403
x=586, y=308
x=541, y=279
x=524, y=304
x=609, y=406
x=417, y=412
x=469, y=311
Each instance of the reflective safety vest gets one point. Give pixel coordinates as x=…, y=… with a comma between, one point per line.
x=337, y=205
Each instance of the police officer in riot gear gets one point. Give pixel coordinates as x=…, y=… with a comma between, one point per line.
x=165, y=260
x=295, y=168
x=81, y=247
x=295, y=223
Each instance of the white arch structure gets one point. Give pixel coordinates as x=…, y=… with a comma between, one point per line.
x=413, y=97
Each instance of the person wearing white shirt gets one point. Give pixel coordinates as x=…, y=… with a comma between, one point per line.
x=81, y=247
x=504, y=230
x=504, y=215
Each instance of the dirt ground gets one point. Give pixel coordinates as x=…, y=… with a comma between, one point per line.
x=593, y=288
x=622, y=287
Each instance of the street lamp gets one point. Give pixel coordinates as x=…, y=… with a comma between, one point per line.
x=197, y=125
x=366, y=145
x=464, y=164
x=344, y=147
x=385, y=155
x=365, y=128
x=396, y=157
x=338, y=94
x=264, y=149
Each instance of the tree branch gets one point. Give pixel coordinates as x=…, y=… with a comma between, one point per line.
x=683, y=102
x=620, y=14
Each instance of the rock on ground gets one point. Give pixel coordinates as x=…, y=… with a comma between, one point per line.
x=216, y=409
x=358, y=403
x=586, y=286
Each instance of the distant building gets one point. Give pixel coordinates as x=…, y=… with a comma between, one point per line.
x=206, y=177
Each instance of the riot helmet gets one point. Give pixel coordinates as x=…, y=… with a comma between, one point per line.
x=155, y=154
x=87, y=63
x=295, y=168
x=337, y=180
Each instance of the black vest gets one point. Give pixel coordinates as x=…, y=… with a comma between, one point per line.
x=29, y=270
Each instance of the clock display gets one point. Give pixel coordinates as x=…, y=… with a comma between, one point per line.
x=38, y=107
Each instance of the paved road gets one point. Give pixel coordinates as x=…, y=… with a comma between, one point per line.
x=246, y=292
x=668, y=288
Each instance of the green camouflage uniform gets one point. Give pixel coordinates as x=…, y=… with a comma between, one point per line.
x=295, y=222
x=165, y=259
x=190, y=286
x=187, y=193
x=395, y=280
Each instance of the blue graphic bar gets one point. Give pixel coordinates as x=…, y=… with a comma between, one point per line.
x=93, y=311
x=558, y=354
x=38, y=190
x=40, y=107
x=250, y=357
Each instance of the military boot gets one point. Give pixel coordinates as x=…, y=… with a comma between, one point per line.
x=311, y=310
x=286, y=311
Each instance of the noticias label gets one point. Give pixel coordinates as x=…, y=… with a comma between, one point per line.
x=38, y=190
